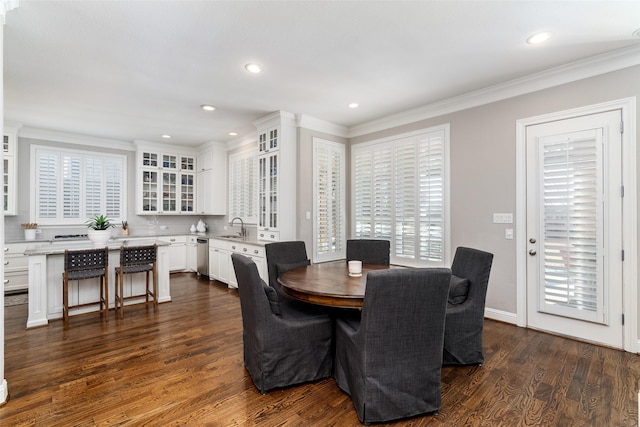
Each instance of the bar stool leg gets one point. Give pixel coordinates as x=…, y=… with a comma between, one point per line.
x=65, y=301
x=121, y=294
x=155, y=288
x=106, y=295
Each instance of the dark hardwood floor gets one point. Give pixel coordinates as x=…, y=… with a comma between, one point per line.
x=183, y=366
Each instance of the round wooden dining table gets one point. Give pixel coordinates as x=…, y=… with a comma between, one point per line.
x=328, y=283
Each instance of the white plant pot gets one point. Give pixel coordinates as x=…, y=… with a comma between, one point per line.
x=29, y=234
x=99, y=237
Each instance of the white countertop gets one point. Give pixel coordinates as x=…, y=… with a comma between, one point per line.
x=58, y=247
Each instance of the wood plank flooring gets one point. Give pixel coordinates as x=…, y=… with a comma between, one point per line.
x=183, y=366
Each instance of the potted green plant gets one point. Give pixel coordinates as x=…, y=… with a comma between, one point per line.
x=99, y=232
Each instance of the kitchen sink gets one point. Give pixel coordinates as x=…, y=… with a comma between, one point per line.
x=231, y=236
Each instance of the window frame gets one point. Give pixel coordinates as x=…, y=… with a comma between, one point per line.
x=389, y=143
x=105, y=158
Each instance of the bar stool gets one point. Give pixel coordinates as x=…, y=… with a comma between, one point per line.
x=136, y=259
x=81, y=265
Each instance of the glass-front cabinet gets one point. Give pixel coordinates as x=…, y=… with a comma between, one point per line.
x=276, y=175
x=167, y=183
x=268, y=170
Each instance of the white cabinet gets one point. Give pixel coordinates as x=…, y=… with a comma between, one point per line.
x=166, y=181
x=177, y=252
x=220, y=265
x=192, y=253
x=16, y=267
x=212, y=181
x=9, y=148
x=219, y=260
x=277, y=177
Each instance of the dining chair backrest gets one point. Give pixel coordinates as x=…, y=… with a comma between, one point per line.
x=369, y=251
x=283, y=256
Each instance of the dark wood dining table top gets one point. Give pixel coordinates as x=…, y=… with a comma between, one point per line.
x=328, y=283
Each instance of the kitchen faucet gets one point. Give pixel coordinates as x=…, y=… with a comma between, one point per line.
x=243, y=231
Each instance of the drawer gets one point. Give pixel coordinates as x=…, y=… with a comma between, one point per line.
x=173, y=239
x=16, y=248
x=16, y=262
x=192, y=240
x=219, y=244
x=16, y=281
x=249, y=250
x=271, y=236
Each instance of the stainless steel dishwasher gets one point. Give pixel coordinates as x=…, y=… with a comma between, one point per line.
x=203, y=257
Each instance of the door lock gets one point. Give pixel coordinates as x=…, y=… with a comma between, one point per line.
x=532, y=240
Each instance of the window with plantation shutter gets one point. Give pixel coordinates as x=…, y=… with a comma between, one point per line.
x=573, y=199
x=242, y=187
x=72, y=186
x=400, y=194
x=329, y=235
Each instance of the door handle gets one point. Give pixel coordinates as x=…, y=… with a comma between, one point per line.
x=532, y=252
x=532, y=240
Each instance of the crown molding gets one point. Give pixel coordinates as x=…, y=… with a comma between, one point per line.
x=307, y=122
x=578, y=70
x=72, y=138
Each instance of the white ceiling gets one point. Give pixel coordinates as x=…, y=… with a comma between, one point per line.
x=133, y=70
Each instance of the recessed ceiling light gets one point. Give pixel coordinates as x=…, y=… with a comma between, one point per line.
x=353, y=105
x=207, y=107
x=233, y=133
x=540, y=37
x=165, y=136
x=253, y=68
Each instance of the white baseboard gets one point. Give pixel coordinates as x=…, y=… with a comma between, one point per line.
x=502, y=316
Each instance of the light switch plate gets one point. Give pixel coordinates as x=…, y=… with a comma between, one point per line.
x=508, y=233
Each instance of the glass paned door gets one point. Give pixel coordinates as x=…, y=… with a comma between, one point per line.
x=150, y=191
x=169, y=191
x=186, y=192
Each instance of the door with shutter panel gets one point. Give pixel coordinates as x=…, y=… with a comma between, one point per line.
x=574, y=228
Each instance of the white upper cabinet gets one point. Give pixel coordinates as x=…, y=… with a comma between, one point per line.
x=212, y=180
x=166, y=181
x=276, y=176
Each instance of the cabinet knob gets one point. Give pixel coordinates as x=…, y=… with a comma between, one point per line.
x=233, y=247
x=6, y=281
x=244, y=249
x=255, y=251
x=6, y=263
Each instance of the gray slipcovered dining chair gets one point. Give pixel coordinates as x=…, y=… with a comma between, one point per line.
x=390, y=359
x=465, y=309
x=283, y=346
x=282, y=257
x=369, y=251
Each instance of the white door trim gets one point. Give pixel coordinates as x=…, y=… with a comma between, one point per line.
x=629, y=211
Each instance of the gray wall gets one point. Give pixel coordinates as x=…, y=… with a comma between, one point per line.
x=483, y=165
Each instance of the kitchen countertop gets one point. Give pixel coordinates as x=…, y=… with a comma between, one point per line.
x=116, y=242
x=58, y=247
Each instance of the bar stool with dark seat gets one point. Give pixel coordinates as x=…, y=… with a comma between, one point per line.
x=81, y=265
x=136, y=259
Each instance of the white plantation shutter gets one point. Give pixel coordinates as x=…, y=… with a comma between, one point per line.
x=242, y=187
x=572, y=212
x=329, y=200
x=47, y=169
x=399, y=194
x=73, y=186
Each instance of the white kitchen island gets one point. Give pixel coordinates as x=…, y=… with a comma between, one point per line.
x=46, y=266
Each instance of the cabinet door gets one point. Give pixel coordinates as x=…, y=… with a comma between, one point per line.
x=187, y=190
x=192, y=256
x=268, y=184
x=150, y=191
x=204, y=191
x=205, y=161
x=177, y=257
x=169, y=191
